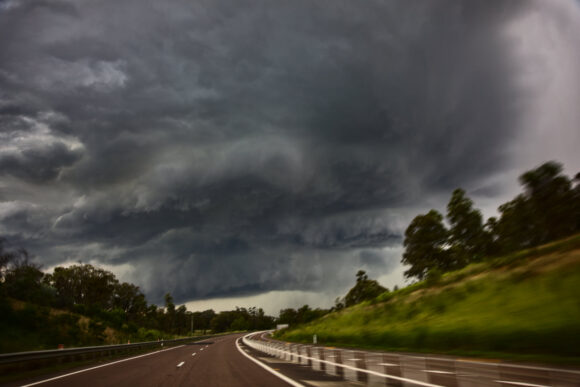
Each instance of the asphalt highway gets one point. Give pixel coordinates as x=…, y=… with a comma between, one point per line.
x=227, y=361
x=213, y=362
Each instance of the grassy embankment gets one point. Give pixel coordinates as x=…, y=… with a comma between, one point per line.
x=525, y=306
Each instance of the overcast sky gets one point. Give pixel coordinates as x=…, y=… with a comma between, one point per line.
x=261, y=152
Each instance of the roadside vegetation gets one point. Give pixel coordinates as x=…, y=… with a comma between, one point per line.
x=504, y=288
x=524, y=306
x=83, y=305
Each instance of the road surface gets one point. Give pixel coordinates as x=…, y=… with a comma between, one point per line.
x=226, y=361
x=212, y=362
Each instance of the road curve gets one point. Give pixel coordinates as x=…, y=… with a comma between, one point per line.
x=212, y=362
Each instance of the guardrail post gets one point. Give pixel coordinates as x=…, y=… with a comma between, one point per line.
x=470, y=373
x=296, y=353
x=441, y=372
x=288, y=353
x=305, y=352
x=348, y=358
x=333, y=355
x=317, y=353
x=374, y=362
x=392, y=364
x=414, y=367
x=353, y=359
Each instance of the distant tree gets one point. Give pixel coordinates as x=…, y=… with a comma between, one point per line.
x=426, y=245
x=169, y=304
x=222, y=321
x=154, y=317
x=202, y=320
x=239, y=324
x=288, y=316
x=129, y=298
x=302, y=315
x=467, y=238
x=515, y=228
x=181, y=326
x=576, y=206
x=169, y=313
x=6, y=257
x=551, y=200
x=364, y=289
x=548, y=209
x=260, y=320
x=491, y=236
x=338, y=304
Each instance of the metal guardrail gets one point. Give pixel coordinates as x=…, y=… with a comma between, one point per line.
x=393, y=369
x=19, y=357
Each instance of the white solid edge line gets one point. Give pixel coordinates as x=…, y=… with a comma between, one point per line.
x=100, y=366
x=271, y=370
x=520, y=383
x=360, y=369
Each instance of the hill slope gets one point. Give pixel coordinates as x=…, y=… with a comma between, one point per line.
x=526, y=305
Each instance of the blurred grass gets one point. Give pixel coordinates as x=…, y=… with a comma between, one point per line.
x=522, y=306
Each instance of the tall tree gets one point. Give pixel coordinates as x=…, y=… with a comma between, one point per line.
x=467, y=238
x=83, y=285
x=515, y=228
x=130, y=300
x=169, y=313
x=426, y=245
x=576, y=195
x=181, y=320
x=551, y=200
x=23, y=279
x=6, y=257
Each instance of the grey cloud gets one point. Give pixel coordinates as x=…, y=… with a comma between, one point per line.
x=225, y=148
x=39, y=163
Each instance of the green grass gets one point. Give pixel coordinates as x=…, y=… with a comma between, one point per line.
x=525, y=306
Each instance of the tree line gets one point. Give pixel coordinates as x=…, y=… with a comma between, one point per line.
x=546, y=210
x=364, y=289
x=86, y=290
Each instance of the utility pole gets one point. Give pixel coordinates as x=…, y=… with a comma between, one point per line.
x=192, y=323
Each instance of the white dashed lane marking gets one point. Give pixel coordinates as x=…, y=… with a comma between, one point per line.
x=180, y=364
x=439, y=372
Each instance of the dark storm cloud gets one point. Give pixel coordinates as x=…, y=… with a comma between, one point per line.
x=243, y=146
x=38, y=164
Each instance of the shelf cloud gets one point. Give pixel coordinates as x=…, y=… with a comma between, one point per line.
x=237, y=148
